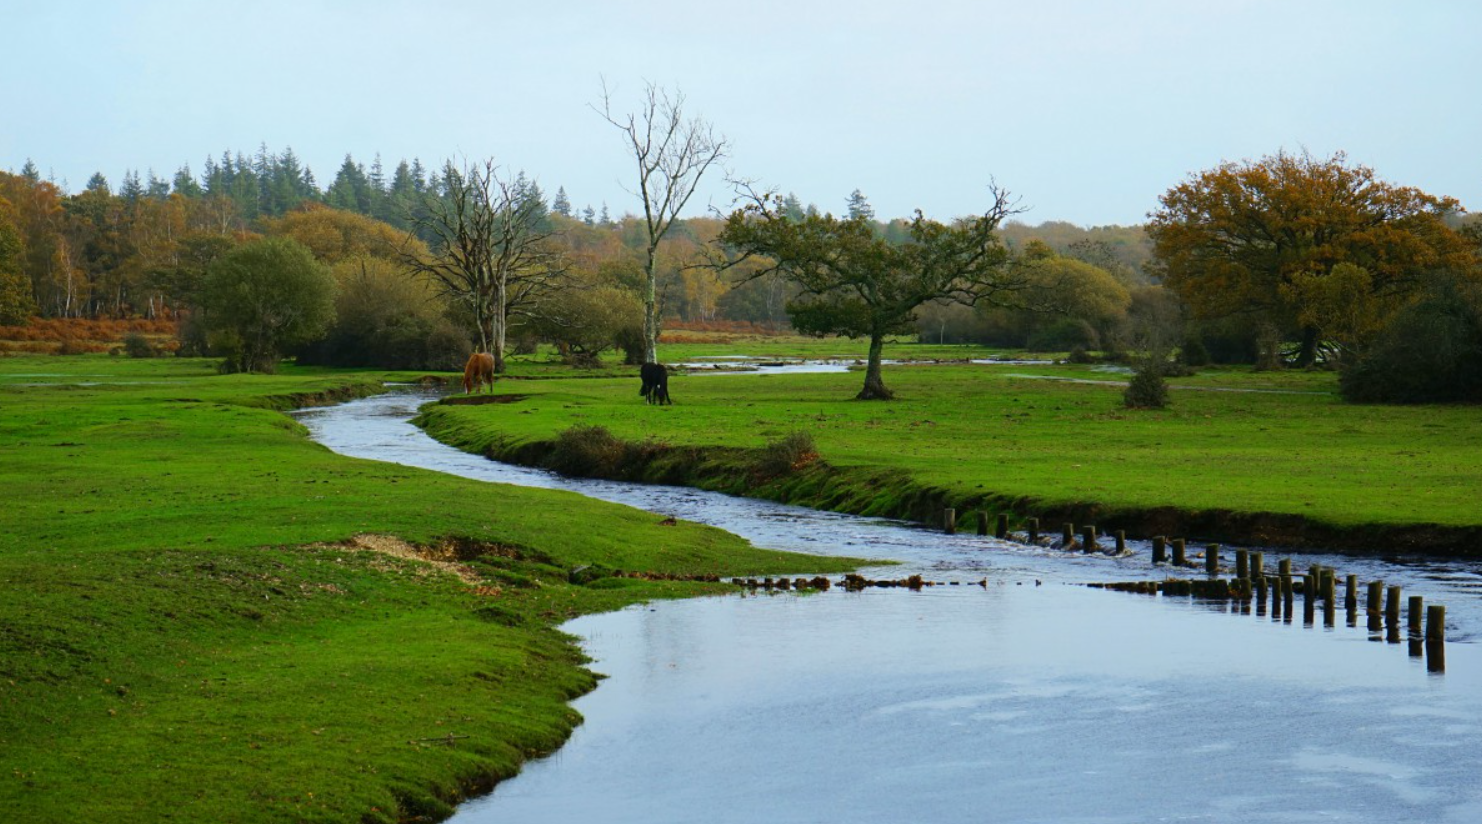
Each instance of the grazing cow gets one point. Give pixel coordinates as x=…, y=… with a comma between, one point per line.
x=655, y=383
x=478, y=371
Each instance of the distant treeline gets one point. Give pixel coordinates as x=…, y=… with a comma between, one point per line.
x=119, y=250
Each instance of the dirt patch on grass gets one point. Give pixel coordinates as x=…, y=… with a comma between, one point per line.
x=443, y=557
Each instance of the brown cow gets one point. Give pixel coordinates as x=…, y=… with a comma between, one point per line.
x=478, y=371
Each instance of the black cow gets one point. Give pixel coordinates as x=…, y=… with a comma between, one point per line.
x=655, y=383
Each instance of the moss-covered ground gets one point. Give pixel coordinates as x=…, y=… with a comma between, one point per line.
x=186, y=635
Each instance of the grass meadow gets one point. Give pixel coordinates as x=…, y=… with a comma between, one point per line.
x=186, y=635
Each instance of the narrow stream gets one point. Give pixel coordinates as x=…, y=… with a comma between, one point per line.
x=1030, y=699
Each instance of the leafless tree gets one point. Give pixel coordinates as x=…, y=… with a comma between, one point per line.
x=672, y=154
x=492, y=251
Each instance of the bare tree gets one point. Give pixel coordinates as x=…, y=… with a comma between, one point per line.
x=673, y=153
x=492, y=250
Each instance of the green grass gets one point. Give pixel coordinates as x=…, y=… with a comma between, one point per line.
x=996, y=430
x=173, y=646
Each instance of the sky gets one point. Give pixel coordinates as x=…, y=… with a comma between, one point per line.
x=1086, y=111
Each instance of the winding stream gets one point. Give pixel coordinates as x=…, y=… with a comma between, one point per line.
x=1029, y=699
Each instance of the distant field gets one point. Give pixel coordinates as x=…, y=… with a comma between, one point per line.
x=184, y=636
x=1290, y=447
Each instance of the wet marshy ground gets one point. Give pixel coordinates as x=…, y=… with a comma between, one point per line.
x=1023, y=696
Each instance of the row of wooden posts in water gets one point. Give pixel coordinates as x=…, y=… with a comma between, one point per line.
x=1251, y=583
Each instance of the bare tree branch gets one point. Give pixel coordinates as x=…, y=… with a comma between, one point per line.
x=672, y=154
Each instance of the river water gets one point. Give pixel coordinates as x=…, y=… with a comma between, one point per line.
x=1028, y=698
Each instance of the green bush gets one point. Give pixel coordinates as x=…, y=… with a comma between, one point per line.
x=1431, y=352
x=1147, y=389
x=1064, y=334
x=1193, y=352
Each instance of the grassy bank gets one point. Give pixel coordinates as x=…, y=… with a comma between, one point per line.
x=1279, y=460
x=190, y=630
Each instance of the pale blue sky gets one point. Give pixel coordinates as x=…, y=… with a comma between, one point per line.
x=1087, y=110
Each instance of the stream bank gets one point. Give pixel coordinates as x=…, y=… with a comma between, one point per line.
x=794, y=476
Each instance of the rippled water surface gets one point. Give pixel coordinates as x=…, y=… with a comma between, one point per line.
x=1025, y=699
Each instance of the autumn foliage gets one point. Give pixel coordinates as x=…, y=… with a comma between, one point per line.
x=1263, y=239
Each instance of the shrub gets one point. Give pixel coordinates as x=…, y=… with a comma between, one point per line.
x=1431, y=352
x=73, y=346
x=787, y=455
x=1064, y=334
x=448, y=347
x=1079, y=355
x=137, y=346
x=1193, y=352
x=1147, y=389
x=587, y=450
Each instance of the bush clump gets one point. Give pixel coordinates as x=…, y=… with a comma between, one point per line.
x=587, y=451
x=787, y=455
x=1430, y=353
x=1063, y=334
x=137, y=346
x=1147, y=390
x=1194, y=353
x=1079, y=355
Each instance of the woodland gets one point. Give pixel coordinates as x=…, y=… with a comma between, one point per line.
x=1289, y=260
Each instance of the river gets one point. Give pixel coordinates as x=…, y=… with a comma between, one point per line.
x=1027, y=699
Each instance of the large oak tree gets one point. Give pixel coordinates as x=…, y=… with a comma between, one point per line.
x=1260, y=238
x=855, y=283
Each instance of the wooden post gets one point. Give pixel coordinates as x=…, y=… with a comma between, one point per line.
x=949, y=521
x=983, y=523
x=1376, y=592
x=1067, y=535
x=1033, y=530
x=1088, y=538
x=1392, y=607
x=1284, y=567
x=1435, y=623
x=1329, y=585
x=1178, y=553
x=1212, y=559
x=1258, y=564
x=1003, y=526
x=1435, y=638
x=1351, y=585
x=1413, y=614
x=1309, y=599
x=1160, y=550
x=1242, y=563
x=1121, y=535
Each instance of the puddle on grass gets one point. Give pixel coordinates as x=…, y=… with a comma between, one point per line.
x=1029, y=699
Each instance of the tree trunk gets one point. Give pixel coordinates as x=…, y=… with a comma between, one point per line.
x=498, y=349
x=501, y=323
x=1307, y=355
x=650, y=309
x=874, y=386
